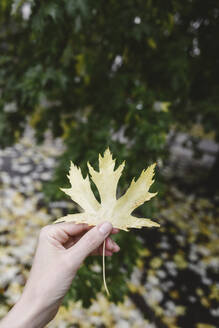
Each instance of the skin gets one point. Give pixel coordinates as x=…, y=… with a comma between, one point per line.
x=61, y=249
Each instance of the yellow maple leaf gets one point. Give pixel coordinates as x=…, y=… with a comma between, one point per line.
x=116, y=211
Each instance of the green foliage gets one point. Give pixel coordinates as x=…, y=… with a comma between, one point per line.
x=89, y=69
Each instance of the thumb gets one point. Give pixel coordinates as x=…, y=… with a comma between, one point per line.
x=90, y=241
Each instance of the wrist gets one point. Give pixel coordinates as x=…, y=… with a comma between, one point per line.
x=40, y=311
x=28, y=312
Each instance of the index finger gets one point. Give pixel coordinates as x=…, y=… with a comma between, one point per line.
x=72, y=228
x=114, y=230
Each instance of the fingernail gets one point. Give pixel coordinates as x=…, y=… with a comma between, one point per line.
x=105, y=228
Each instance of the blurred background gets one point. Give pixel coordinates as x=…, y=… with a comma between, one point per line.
x=141, y=77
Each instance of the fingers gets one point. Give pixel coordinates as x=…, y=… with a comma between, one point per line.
x=100, y=252
x=110, y=247
x=72, y=228
x=62, y=232
x=68, y=233
x=90, y=241
x=115, y=230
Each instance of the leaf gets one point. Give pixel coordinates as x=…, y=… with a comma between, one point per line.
x=117, y=211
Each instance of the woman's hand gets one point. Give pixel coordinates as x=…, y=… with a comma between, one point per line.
x=60, y=251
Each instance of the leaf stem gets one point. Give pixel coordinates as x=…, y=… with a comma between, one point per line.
x=104, y=278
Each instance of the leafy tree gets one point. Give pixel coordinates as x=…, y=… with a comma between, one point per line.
x=90, y=70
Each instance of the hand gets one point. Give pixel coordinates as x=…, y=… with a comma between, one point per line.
x=60, y=251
